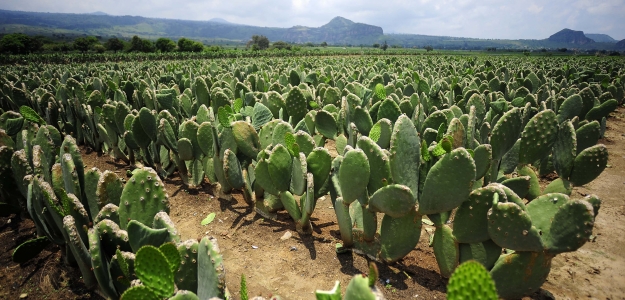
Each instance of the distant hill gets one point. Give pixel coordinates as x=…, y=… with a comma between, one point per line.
x=620, y=44
x=339, y=31
x=570, y=37
x=98, y=13
x=600, y=38
x=219, y=20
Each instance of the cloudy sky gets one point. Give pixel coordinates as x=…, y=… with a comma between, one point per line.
x=498, y=19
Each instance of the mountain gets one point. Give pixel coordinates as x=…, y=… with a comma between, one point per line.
x=571, y=37
x=98, y=13
x=600, y=38
x=620, y=44
x=339, y=31
x=219, y=20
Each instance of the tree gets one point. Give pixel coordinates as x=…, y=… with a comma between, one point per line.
x=376, y=45
x=83, y=44
x=384, y=46
x=147, y=46
x=18, y=43
x=165, y=45
x=187, y=45
x=281, y=45
x=261, y=42
x=428, y=48
x=324, y=44
x=136, y=44
x=114, y=44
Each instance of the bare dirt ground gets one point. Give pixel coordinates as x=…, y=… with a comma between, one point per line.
x=294, y=267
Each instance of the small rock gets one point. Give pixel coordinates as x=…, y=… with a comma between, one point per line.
x=23, y=296
x=293, y=248
x=254, y=247
x=287, y=235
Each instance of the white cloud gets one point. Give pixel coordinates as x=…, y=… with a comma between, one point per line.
x=502, y=19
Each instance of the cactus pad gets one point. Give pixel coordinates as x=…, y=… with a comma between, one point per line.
x=520, y=273
x=405, y=156
x=445, y=250
x=153, y=270
x=448, y=183
x=395, y=200
x=399, y=236
x=143, y=197
x=506, y=132
x=470, y=222
x=589, y=164
x=538, y=137
x=511, y=227
x=354, y=172
x=471, y=281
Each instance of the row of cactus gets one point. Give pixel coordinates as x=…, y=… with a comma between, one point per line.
x=414, y=138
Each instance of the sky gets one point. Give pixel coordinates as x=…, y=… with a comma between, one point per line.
x=488, y=19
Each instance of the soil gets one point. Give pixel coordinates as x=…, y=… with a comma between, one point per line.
x=294, y=267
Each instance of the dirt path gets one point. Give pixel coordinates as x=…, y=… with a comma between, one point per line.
x=597, y=270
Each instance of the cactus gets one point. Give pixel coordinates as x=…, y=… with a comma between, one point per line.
x=211, y=273
x=143, y=197
x=471, y=281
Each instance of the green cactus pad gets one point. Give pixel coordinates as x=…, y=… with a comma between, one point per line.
x=112, y=237
x=296, y=105
x=344, y=221
x=589, y=164
x=153, y=270
x=29, y=249
x=264, y=179
x=448, y=183
x=587, y=135
x=205, y=139
x=138, y=133
x=246, y=138
x=399, y=236
x=559, y=186
x=186, y=275
x=162, y=220
x=389, y=110
x=148, y=123
x=232, y=170
x=140, y=235
x=142, y=197
x=211, y=274
x=170, y=252
x=305, y=142
x=511, y=227
x=100, y=265
x=565, y=225
x=377, y=161
x=189, y=131
x=333, y=294
x=108, y=212
x=506, y=132
x=184, y=295
x=434, y=120
x=354, y=172
x=482, y=155
x=595, y=202
x=326, y=124
x=80, y=251
x=538, y=137
x=570, y=108
x=262, y=115
x=363, y=121
x=446, y=250
x=534, y=188
x=471, y=281
x=520, y=273
x=394, y=200
x=319, y=163
x=21, y=167
x=109, y=189
x=122, y=270
x=289, y=203
x=603, y=111
x=471, y=222
x=279, y=168
x=519, y=185
x=564, y=150
x=486, y=253
x=405, y=157
x=280, y=131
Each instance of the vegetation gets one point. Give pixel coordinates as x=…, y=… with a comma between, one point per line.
x=418, y=139
x=258, y=42
x=165, y=45
x=18, y=43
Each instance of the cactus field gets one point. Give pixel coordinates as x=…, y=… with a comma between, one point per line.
x=174, y=179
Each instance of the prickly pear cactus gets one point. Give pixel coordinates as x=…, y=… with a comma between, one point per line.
x=471, y=281
x=143, y=197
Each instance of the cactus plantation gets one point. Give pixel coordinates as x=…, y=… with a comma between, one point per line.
x=393, y=143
